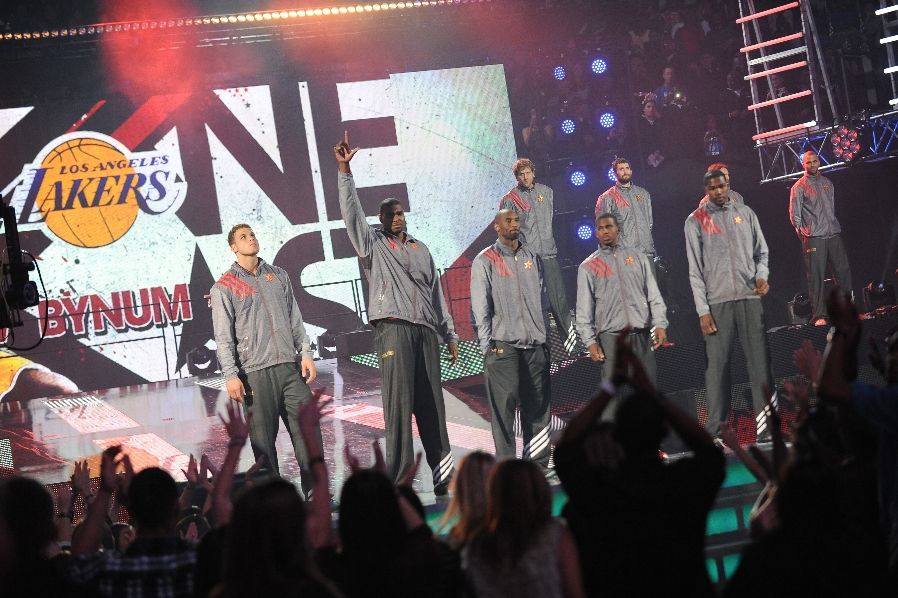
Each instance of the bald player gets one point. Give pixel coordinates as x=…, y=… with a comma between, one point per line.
x=812, y=212
x=510, y=307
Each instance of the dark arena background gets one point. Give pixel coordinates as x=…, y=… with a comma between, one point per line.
x=196, y=115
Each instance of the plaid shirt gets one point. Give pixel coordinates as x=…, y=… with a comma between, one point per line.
x=160, y=567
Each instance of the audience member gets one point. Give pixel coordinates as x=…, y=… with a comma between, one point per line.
x=157, y=562
x=27, y=530
x=826, y=543
x=387, y=550
x=469, y=497
x=522, y=550
x=267, y=552
x=639, y=511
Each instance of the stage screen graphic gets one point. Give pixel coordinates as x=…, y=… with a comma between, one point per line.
x=126, y=204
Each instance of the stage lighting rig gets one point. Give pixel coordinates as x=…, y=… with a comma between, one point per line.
x=846, y=142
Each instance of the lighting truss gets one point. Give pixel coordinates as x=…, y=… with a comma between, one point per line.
x=781, y=160
x=266, y=17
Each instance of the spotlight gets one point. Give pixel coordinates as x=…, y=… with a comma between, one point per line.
x=878, y=294
x=846, y=143
x=599, y=66
x=611, y=176
x=799, y=309
x=559, y=73
x=568, y=126
x=585, y=232
x=606, y=120
x=577, y=178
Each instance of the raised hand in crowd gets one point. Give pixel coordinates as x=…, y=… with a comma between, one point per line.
x=90, y=532
x=81, y=481
x=318, y=525
x=237, y=428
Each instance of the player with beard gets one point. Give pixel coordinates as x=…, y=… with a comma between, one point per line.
x=631, y=206
x=812, y=212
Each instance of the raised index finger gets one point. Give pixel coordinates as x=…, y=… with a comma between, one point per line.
x=346, y=137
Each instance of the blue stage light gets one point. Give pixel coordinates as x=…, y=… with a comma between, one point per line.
x=606, y=120
x=568, y=126
x=559, y=73
x=611, y=176
x=577, y=178
x=599, y=66
x=585, y=232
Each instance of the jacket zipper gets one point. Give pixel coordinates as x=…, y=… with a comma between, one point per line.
x=267, y=308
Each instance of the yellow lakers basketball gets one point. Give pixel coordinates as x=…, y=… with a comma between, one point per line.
x=88, y=194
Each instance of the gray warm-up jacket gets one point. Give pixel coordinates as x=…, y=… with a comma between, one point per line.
x=256, y=320
x=402, y=279
x=508, y=297
x=727, y=253
x=812, y=207
x=536, y=208
x=633, y=208
x=616, y=289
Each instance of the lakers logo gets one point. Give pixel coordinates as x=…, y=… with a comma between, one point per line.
x=88, y=189
x=87, y=211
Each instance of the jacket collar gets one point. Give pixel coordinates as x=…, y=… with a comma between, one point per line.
x=504, y=250
x=239, y=270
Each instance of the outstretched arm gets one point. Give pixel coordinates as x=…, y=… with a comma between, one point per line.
x=319, y=522
x=840, y=357
x=360, y=233
x=90, y=534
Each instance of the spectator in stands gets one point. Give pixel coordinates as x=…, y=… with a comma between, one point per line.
x=522, y=551
x=267, y=550
x=826, y=543
x=651, y=132
x=537, y=137
x=158, y=561
x=639, y=510
x=27, y=530
x=469, y=497
x=222, y=561
x=877, y=406
x=669, y=86
x=714, y=143
x=387, y=549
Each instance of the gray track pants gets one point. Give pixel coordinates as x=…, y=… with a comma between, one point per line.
x=518, y=377
x=641, y=343
x=745, y=319
x=818, y=251
x=410, y=384
x=274, y=393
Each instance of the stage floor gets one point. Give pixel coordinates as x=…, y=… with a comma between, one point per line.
x=162, y=424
